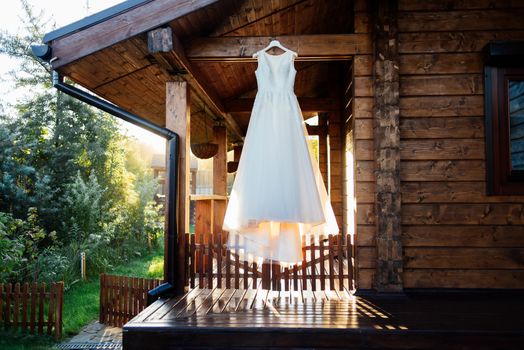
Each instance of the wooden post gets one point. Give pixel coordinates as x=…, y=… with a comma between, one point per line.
x=335, y=148
x=237, y=153
x=177, y=120
x=323, y=152
x=220, y=161
x=387, y=147
x=219, y=178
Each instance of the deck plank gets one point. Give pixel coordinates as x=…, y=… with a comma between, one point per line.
x=210, y=301
x=258, y=318
x=188, y=306
x=223, y=301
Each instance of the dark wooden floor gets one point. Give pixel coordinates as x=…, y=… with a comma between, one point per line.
x=258, y=318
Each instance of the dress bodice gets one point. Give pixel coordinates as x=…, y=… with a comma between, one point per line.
x=275, y=73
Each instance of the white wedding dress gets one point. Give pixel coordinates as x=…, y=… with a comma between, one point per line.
x=278, y=197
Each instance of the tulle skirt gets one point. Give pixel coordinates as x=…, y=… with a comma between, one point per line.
x=278, y=197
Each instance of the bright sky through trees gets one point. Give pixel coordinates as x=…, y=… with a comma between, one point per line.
x=61, y=12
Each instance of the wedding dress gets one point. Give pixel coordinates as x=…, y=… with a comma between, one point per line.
x=278, y=196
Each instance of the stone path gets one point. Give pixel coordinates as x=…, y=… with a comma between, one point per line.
x=95, y=336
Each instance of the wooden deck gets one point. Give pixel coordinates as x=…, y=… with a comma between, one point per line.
x=259, y=318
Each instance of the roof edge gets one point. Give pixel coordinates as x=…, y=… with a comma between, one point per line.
x=94, y=19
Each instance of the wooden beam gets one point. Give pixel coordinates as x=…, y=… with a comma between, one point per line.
x=177, y=119
x=314, y=47
x=219, y=178
x=220, y=161
x=323, y=149
x=307, y=104
x=389, y=269
x=120, y=27
x=170, y=55
x=319, y=130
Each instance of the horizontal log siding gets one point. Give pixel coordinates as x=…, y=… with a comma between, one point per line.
x=454, y=236
x=362, y=107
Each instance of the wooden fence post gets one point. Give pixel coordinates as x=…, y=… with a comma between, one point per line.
x=51, y=308
x=25, y=296
x=8, y=305
x=34, y=292
x=122, y=298
x=18, y=307
x=1, y=303
x=41, y=301
x=59, y=309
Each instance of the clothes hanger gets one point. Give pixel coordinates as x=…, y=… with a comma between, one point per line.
x=274, y=43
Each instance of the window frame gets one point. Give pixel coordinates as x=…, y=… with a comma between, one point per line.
x=503, y=62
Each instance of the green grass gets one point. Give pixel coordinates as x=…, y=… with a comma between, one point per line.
x=150, y=265
x=10, y=341
x=81, y=302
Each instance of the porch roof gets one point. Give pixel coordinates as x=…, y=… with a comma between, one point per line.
x=107, y=53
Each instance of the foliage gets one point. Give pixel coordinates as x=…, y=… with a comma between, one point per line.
x=82, y=299
x=83, y=203
x=69, y=180
x=81, y=302
x=21, y=242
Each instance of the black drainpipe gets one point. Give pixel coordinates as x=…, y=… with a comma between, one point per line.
x=169, y=287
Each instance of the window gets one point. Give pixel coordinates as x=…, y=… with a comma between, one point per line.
x=504, y=108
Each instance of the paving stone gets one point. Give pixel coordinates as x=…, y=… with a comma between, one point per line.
x=95, y=336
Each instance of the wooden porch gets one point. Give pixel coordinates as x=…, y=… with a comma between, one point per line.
x=397, y=87
x=234, y=304
x=260, y=318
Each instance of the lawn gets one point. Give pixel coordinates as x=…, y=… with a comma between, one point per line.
x=81, y=303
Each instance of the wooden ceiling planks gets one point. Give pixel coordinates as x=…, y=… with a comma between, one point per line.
x=228, y=79
x=252, y=11
x=203, y=22
x=125, y=73
x=139, y=92
x=290, y=18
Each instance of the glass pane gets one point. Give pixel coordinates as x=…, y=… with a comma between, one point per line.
x=516, y=118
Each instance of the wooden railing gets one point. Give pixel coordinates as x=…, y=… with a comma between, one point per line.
x=122, y=298
x=327, y=264
x=23, y=307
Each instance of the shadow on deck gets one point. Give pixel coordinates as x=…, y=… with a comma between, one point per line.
x=258, y=318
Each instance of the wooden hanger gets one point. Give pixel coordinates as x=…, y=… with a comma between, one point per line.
x=272, y=44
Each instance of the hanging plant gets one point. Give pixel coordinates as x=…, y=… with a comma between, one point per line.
x=232, y=167
x=204, y=150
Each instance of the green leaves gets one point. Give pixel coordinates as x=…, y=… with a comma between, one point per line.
x=69, y=181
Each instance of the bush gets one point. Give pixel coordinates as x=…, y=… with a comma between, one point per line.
x=70, y=182
x=21, y=243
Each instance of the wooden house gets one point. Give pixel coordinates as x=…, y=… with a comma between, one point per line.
x=420, y=144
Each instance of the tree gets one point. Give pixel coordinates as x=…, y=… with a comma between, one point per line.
x=52, y=138
x=63, y=169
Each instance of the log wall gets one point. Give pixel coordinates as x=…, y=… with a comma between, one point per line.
x=454, y=236
x=362, y=109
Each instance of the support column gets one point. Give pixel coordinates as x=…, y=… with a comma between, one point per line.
x=336, y=165
x=220, y=161
x=323, y=152
x=177, y=120
x=387, y=147
x=220, y=177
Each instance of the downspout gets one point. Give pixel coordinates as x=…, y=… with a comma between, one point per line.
x=169, y=287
